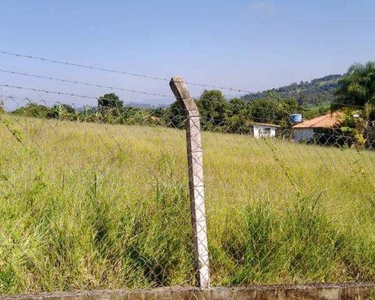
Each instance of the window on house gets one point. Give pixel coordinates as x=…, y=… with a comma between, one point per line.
x=265, y=132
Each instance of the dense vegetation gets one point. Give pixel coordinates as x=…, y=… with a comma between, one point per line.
x=94, y=206
x=314, y=93
x=356, y=98
x=217, y=113
x=235, y=115
x=353, y=90
x=353, y=94
x=357, y=88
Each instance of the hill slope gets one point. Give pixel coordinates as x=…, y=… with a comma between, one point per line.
x=315, y=92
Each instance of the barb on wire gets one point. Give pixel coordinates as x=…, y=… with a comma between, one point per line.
x=46, y=91
x=120, y=72
x=279, y=209
x=83, y=83
x=83, y=66
x=219, y=87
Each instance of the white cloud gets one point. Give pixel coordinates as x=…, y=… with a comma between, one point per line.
x=262, y=7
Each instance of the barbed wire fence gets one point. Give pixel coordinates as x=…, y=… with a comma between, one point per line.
x=99, y=198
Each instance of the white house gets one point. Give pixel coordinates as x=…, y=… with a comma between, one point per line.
x=261, y=130
x=306, y=130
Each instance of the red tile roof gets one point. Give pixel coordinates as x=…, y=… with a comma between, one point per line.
x=329, y=120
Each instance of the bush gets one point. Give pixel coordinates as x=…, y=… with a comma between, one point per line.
x=33, y=110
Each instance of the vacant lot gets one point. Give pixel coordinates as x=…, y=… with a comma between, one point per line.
x=86, y=206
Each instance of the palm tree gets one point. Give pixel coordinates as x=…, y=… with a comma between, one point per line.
x=356, y=97
x=357, y=90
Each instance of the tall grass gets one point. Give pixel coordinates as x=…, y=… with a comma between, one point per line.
x=88, y=206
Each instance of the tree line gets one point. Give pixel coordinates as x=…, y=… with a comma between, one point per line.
x=316, y=92
x=355, y=96
x=217, y=113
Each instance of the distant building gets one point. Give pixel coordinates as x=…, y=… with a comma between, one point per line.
x=261, y=130
x=306, y=130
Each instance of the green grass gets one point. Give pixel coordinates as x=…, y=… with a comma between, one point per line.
x=90, y=206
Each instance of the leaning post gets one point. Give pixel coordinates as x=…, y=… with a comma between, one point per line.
x=196, y=186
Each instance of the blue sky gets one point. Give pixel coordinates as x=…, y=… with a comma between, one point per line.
x=252, y=45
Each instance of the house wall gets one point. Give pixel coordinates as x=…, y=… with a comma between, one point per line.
x=303, y=134
x=260, y=131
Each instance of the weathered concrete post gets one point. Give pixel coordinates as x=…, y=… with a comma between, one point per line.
x=196, y=186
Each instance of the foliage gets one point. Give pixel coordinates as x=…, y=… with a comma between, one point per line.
x=357, y=88
x=91, y=206
x=273, y=109
x=282, y=242
x=212, y=108
x=61, y=111
x=110, y=101
x=263, y=111
x=237, y=115
x=32, y=110
x=356, y=97
x=2, y=110
x=217, y=113
x=315, y=111
x=354, y=125
x=174, y=116
x=316, y=92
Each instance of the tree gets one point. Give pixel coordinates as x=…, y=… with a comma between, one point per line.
x=110, y=101
x=237, y=117
x=236, y=106
x=284, y=109
x=357, y=88
x=175, y=116
x=356, y=97
x=213, y=108
x=263, y=111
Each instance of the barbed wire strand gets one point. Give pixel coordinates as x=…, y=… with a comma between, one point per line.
x=83, y=83
x=74, y=82
x=50, y=92
x=120, y=72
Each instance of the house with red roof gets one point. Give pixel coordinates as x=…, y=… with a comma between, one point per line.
x=306, y=130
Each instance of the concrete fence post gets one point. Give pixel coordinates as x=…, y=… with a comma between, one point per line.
x=196, y=186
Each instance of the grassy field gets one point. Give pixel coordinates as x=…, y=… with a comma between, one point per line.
x=90, y=206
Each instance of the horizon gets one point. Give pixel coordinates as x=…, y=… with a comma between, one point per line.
x=249, y=45
x=165, y=101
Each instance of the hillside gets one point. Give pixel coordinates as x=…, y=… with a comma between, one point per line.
x=99, y=206
x=315, y=92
